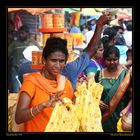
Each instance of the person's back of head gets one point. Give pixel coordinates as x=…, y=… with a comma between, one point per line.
x=110, y=31
x=108, y=36
x=129, y=26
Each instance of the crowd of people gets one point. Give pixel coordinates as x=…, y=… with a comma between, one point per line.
x=107, y=58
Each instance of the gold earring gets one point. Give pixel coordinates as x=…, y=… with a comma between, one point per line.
x=43, y=62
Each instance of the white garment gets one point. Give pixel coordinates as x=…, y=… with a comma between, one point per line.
x=28, y=52
x=128, y=38
x=88, y=36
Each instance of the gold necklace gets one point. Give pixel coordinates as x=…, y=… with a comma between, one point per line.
x=109, y=77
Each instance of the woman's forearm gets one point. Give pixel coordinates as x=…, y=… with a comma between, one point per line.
x=28, y=114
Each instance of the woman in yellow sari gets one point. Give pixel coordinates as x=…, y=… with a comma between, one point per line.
x=41, y=90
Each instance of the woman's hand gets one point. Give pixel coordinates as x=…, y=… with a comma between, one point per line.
x=123, y=112
x=53, y=99
x=126, y=125
x=104, y=107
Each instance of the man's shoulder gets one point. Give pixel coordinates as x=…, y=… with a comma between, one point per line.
x=33, y=42
x=79, y=61
x=15, y=43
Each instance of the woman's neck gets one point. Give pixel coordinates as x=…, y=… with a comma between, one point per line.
x=46, y=74
x=113, y=72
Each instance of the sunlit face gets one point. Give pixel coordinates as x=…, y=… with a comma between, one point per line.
x=112, y=62
x=54, y=64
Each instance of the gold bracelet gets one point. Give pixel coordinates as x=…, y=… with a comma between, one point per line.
x=38, y=109
x=31, y=111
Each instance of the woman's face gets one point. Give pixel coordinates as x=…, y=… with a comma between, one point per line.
x=99, y=53
x=112, y=62
x=54, y=64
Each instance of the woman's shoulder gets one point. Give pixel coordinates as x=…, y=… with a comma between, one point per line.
x=123, y=68
x=31, y=76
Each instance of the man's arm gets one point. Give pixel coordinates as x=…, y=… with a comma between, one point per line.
x=95, y=40
x=73, y=69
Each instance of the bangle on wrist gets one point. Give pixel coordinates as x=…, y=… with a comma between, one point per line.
x=45, y=105
x=31, y=111
x=38, y=109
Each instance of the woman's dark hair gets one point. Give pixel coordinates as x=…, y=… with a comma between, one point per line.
x=129, y=52
x=110, y=31
x=105, y=40
x=129, y=26
x=54, y=44
x=108, y=34
x=117, y=28
x=111, y=50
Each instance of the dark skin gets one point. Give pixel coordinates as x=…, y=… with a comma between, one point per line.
x=95, y=40
x=56, y=62
x=113, y=69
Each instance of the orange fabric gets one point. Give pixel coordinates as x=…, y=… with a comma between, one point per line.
x=51, y=87
x=39, y=93
x=33, y=10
